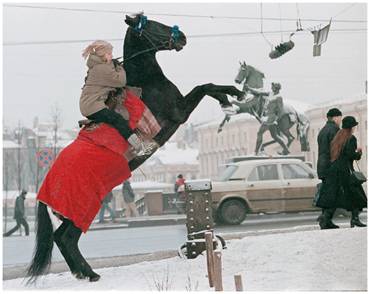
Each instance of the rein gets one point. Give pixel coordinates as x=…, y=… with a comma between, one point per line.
x=139, y=28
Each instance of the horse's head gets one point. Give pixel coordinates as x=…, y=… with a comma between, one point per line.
x=242, y=73
x=156, y=35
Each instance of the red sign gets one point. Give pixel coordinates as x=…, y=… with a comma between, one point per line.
x=45, y=157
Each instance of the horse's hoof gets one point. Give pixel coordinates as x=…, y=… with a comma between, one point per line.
x=94, y=277
x=79, y=276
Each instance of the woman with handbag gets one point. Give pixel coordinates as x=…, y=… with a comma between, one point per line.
x=343, y=187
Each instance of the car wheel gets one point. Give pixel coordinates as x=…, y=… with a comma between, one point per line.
x=233, y=212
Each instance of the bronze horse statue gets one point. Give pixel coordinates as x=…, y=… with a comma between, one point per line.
x=254, y=105
x=143, y=39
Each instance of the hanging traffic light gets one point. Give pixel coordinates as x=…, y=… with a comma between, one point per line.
x=281, y=49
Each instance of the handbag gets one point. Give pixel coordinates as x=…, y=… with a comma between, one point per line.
x=317, y=194
x=357, y=177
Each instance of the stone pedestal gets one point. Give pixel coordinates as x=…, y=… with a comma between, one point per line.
x=154, y=202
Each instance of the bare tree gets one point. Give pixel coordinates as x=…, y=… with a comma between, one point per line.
x=56, y=118
x=6, y=179
x=19, y=133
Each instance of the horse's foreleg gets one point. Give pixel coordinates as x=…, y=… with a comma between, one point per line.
x=193, y=98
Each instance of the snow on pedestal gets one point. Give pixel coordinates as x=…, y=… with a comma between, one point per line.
x=310, y=260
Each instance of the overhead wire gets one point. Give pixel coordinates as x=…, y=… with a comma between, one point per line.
x=344, y=10
x=281, y=24
x=264, y=37
x=177, y=15
x=18, y=43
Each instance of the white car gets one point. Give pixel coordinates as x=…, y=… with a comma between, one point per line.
x=266, y=185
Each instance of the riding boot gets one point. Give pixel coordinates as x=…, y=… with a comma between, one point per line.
x=355, y=220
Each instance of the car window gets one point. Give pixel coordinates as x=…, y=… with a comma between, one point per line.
x=253, y=175
x=294, y=171
x=225, y=172
x=264, y=173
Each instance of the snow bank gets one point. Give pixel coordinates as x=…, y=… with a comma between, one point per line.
x=310, y=260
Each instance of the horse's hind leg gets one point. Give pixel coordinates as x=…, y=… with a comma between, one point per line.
x=57, y=238
x=70, y=242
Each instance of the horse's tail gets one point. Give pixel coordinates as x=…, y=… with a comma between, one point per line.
x=41, y=259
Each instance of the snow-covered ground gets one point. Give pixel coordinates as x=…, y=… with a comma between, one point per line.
x=305, y=260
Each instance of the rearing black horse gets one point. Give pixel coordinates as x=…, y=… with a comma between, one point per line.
x=163, y=98
x=144, y=38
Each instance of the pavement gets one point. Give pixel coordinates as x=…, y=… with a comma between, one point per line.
x=298, y=222
x=176, y=219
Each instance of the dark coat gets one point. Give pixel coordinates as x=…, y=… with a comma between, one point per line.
x=108, y=198
x=19, y=207
x=326, y=135
x=128, y=193
x=336, y=191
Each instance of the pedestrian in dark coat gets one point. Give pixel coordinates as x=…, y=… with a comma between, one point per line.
x=338, y=191
x=19, y=215
x=105, y=206
x=129, y=199
x=325, y=137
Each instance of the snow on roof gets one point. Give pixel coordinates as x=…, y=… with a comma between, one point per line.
x=298, y=105
x=171, y=154
x=9, y=144
x=146, y=185
x=13, y=194
x=340, y=101
x=234, y=118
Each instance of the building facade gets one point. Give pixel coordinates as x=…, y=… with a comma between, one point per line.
x=239, y=136
x=356, y=107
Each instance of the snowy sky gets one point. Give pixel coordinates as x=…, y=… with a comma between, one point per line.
x=36, y=77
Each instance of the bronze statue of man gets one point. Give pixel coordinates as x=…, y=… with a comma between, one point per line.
x=272, y=110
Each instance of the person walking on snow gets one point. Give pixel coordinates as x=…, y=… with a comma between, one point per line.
x=19, y=215
x=324, y=139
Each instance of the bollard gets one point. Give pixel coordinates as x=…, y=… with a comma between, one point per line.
x=238, y=283
x=210, y=262
x=217, y=270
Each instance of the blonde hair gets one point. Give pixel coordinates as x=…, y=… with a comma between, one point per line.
x=99, y=48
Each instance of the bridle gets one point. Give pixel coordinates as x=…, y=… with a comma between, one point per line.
x=140, y=29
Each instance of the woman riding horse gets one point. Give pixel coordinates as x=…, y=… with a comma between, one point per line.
x=96, y=162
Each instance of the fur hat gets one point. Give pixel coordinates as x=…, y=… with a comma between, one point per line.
x=99, y=48
x=334, y=112
x=349, y=122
